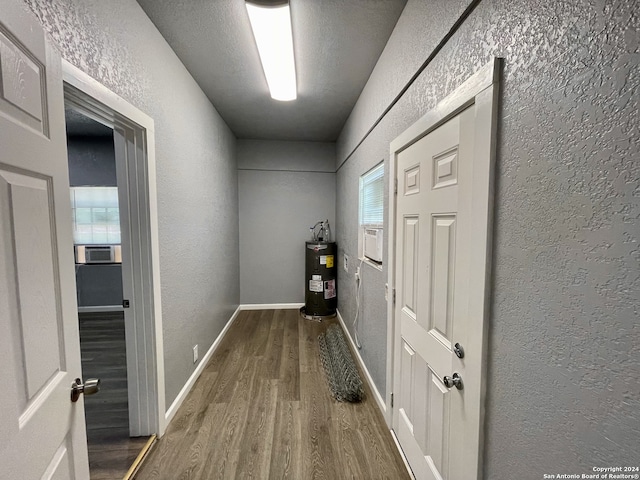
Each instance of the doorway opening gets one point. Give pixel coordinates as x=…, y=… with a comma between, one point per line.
x=113, y=200
x=98, y=266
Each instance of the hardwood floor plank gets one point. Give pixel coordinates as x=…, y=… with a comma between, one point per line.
x=229, y=426
x=346, y=441
x=308, y=339
x=227, y=374
x=111, y=461
x=255, y=452
x=290, y=363
x=273, y=354
x=262, y=409
x=226, y=446
x=261, y=334
x=286, y=448
x=316, y=432
x=103, y=349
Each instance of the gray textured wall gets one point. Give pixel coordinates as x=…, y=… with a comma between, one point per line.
x=284, y=188
x=564, y=346
x=92, y=161
x=116, y=43
x=419, y=30
x=99, y=285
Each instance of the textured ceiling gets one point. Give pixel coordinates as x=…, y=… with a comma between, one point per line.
x=336, y=42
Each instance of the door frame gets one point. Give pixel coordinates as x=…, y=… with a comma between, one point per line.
x=481, y=90
x=134, y=141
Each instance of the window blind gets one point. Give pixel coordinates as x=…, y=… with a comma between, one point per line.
x=372, y=196
x=95, y=215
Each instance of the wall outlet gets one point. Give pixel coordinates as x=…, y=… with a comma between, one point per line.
x=195, y=353
x=346, y=263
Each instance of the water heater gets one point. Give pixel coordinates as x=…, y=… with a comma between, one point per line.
x=320, y=283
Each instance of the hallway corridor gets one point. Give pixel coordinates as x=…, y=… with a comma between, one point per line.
x=262, y=409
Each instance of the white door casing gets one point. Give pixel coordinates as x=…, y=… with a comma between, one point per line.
x=42, y=433
x=134, y=141
x=439, y=264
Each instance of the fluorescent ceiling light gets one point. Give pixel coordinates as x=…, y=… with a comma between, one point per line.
x=272, y=31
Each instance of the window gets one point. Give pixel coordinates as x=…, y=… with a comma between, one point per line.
x=95, y=215
x=371, y=214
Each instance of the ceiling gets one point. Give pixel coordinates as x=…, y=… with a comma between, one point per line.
x=336, y=44
x=79, y=125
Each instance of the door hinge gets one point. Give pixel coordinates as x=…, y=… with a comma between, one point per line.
x=395, y=188
x=393, y=295
x=392, y=400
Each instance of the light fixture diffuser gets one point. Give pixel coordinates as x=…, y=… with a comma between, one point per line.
x=271, y=27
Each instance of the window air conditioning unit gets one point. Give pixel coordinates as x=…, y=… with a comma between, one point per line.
x=98, y=254
x=373, y=244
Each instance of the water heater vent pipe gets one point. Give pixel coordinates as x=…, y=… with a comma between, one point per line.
x=324, y=234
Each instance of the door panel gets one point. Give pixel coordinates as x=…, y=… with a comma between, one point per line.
x=41, y=431
x=442, y=260
x=427, y=273
x=423, y=415
x=38, y=318
x=23, y=82
x=437, y=428
x=410, y=260
x=61, y=467
x=406, y=387
x=445, y=168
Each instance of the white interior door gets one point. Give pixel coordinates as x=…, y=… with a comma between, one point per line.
x=42, y=433
x=441, y=238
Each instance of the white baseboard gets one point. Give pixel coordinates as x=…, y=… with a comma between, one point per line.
x=376, y=394
x=196, y=373
x=269, y=306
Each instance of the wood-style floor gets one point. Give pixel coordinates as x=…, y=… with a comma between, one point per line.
x=262, y=409
x=102, y=344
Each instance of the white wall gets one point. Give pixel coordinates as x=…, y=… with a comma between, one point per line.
x=284, y=188
x=116, y=43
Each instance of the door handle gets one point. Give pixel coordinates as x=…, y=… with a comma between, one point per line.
x=453, y=381
x=89, y=387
